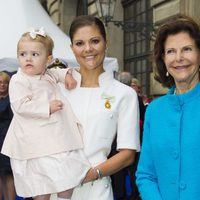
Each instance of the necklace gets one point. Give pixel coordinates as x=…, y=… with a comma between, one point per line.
x=176, y=91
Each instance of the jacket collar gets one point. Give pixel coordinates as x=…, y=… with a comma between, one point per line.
x=185, y=97
x=104, y=79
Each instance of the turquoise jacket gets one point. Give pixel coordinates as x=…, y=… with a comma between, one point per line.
x=169, y=166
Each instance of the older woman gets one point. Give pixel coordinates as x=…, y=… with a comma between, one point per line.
x=104, y=106
x=6, y=177
x=169, y=163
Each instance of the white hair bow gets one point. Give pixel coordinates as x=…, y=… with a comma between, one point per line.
x=34, y=32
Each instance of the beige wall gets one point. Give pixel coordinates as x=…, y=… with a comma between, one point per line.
x=115, y=36
x=68, y=13
x=163, y=9
x=65, y=12
x=54, y=10
x=166, y=10
x=156, y=2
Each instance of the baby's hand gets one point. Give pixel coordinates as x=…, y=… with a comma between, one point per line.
x=55, y=105
x=70, y=82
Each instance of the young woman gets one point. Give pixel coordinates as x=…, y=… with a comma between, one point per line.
x=104, y=106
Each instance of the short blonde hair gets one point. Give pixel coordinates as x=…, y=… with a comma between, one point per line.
x=136, y=81
x=45, y=40
x=5, y=76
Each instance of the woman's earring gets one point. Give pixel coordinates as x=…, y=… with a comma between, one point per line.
x=167, y=73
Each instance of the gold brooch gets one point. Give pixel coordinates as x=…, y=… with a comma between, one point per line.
x=108, y=100
x=107, y=104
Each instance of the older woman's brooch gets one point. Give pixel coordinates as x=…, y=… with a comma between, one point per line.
x=108, y=100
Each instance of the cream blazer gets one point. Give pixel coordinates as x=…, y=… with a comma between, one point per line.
x=33, y=131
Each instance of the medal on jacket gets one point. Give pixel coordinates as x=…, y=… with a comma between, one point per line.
x=108, y=100
x=107, y=104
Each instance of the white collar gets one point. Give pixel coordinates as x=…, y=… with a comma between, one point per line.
x=104, y=78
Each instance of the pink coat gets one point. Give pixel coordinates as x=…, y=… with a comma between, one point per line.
x=33, y=131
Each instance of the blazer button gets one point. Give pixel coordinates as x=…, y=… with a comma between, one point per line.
x=182, y=185
x=175, y=155
x=106, y=185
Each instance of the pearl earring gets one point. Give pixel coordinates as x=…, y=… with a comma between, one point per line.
x=167, y=73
